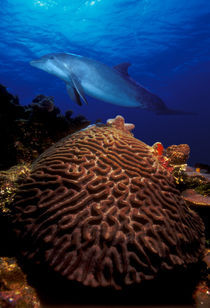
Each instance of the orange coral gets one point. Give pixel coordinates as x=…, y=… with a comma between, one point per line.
x=158, y=147
x=163, y=160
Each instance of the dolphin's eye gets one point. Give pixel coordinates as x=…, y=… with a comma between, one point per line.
x=52, y=57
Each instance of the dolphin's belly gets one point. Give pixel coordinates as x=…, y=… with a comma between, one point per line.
x=111, y=90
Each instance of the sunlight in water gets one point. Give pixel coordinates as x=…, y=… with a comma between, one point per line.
x=92, y=2
x=39, y=3
x=45, y=3
x=52, y=3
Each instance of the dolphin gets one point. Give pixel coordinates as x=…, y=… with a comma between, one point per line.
x=88, y=77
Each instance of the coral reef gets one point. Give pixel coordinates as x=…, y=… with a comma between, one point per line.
x=204, y=189
x=174, y=159
x=193, y=183
x=106, y=247
x=158, y=148
x=15, y=292
x=8, y=187
x=196, y=181
x=163, y=160
x=26, y=131
x=9, y=184
x=194, y=198
x=201, y=294
x=178, y=154
x=100, y=209
x=204, y=167
x=42, y=102
x=200, y=202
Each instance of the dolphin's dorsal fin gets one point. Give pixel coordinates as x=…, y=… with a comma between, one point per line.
x=123, y=68
x=77, y=89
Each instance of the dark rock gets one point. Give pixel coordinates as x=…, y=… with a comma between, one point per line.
x=26, y=131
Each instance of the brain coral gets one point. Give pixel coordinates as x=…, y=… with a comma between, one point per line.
x=98, y=208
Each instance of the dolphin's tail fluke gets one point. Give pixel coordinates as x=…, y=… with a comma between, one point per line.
x=167, y=111
x=157, y=105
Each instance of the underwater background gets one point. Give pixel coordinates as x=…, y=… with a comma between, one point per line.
x=167, y=42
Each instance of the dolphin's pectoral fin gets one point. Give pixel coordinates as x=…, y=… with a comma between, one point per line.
x=78, y=87
x=72, y=92
x=122, y=68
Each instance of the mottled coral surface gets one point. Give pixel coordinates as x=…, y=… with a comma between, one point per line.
x=100, y=209
x=178, y=154
x=15, y=292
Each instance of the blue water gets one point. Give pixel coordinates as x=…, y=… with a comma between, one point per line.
x=167, y=42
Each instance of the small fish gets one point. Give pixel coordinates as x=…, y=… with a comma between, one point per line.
x=87, y=77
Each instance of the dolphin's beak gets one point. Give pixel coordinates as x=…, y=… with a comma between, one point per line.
x=37, y=63
x=33, y=63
